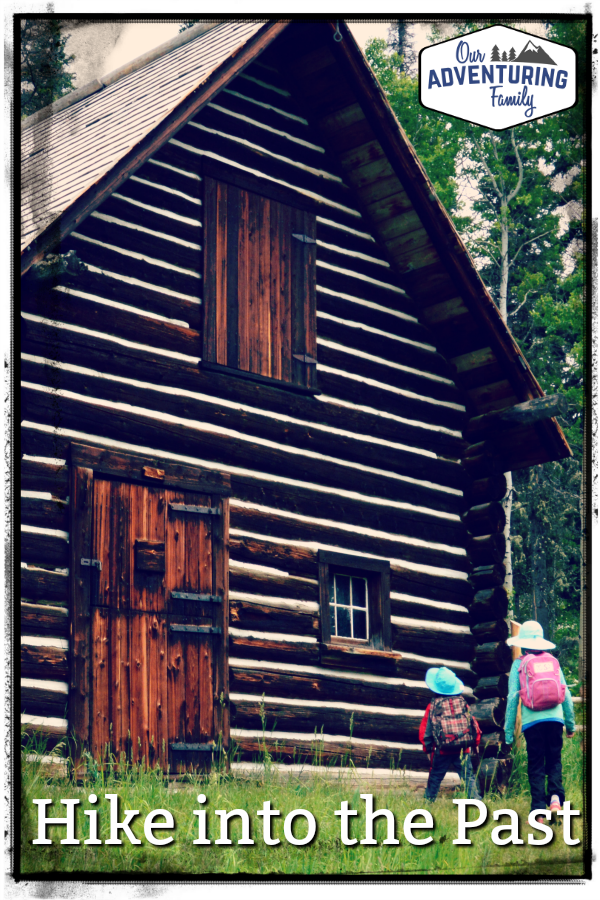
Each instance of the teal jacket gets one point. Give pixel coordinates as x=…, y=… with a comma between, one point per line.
x=563, y=712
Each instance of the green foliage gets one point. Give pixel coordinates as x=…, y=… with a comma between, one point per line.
x=146, y=790
x=43, y=62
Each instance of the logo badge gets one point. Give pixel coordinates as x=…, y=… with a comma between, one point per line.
x=497, y=77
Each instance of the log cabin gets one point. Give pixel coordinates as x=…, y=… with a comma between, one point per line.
x=267, y=408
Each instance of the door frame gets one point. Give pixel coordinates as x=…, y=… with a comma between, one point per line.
x=87, y=461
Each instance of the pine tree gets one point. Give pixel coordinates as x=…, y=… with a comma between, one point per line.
x=401, y=41
x=504, y=57
x=512, y=55
x=495, y=53
x=43, y=63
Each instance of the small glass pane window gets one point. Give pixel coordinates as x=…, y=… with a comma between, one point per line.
x=348, y=607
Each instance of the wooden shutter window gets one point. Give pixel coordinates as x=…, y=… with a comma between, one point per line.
x=259, y=285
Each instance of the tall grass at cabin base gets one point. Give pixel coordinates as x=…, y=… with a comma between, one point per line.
x=326, y=855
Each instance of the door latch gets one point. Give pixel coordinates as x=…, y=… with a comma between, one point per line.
x=96, y=563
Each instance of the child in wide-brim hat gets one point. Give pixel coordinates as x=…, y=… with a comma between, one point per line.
x=442, y=682
x=543, y=729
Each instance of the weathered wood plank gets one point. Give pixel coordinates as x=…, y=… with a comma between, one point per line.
x=383, y=348
x=37, y=700
x=329, y=686
x=485, y=518
x=41, y=476
x=486, y=490
x=272, y=585
x=44, y=586
x=44, y=513
x=155, y=248
x=489, y=604
x=430, y=642
x=517, y=416
x=485, y=632
x=345, y=447
x=38, y=619
x=181, y=279
x=178, y=374
x=492, y=658
x=44, y=549
x=265, y=647
x=489, y=713
x=487, y=576
x=161, y=222
x=249, y=615
x=93, y=418
x=487, y=549
x=44, y=662
x=294, y=750
x=303, y=562
x=110, y=287
x=273, y=525
x=388, y=725
x=121, y=323
x=492, y=686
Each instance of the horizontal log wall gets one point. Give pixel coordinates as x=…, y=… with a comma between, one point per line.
x=370, y=467
x=484, y=520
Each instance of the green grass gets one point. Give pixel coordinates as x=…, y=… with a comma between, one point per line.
x=326, y=855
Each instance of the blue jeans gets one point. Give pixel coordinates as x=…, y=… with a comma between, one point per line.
x=439, y=766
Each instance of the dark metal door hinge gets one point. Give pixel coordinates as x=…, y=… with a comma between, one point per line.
x=304, y=238
x=305, y=358
x=96, y=563
x=201, y=598
x=196, y=629
x=198, y=510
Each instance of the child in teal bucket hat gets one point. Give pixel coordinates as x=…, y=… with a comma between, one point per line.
x=444, y=683
x=542, y=729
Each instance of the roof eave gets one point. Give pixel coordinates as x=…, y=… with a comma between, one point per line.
x=443, y=233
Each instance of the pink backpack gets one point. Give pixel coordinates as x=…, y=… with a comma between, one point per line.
x=539, y=677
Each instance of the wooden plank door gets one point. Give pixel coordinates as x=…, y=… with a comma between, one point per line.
x=158, y=611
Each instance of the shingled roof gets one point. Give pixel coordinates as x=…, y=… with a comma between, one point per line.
x=65, y=154
x=75, y=158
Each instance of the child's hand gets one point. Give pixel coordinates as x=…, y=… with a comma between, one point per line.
x=570, y=735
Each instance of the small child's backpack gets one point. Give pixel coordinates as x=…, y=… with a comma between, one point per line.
x=452, y=724
x=539, y=678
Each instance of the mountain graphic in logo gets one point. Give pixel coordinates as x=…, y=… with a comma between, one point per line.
x=532, y=54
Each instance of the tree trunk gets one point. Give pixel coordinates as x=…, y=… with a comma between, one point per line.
x=538, y=560
x=503, y=303
x=583, y=557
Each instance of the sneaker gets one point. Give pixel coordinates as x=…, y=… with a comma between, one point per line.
x=555, y=808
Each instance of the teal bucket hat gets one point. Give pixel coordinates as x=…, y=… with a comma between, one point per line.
x=531, y=637
x=443, y=681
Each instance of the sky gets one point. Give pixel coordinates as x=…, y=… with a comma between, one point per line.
x=138, y=38
x=101, y=48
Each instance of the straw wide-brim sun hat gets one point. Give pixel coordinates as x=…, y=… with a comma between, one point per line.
x=531, y=637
